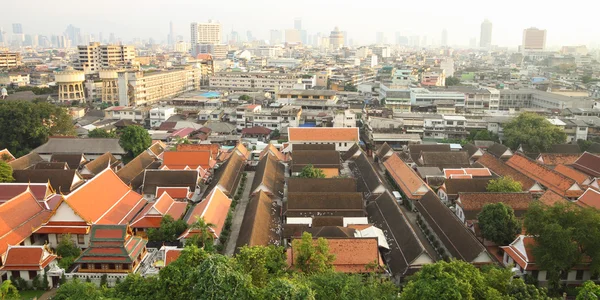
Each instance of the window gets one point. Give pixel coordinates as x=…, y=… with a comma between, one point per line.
x=111, y=266
x=32, y=274
x=84, y=266
x=535, y=274
x=579, y=275
x=564, y=275
x=81, y=239
x=98, y=266
x=15, y=274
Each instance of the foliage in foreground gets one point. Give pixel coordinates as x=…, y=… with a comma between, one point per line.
x=498, y=223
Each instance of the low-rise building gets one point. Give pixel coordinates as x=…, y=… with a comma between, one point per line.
x=342, y=137
x=160, y=114
x=249, y=80
x=10, y=60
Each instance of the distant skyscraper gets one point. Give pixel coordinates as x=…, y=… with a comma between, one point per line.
x=74, y=34
x=444, y=42
x=111, y=38
x=485, y=38
x=1, y=36
x=380, y=38
x=336, y=38
x=249, y=36
x=276, y=37
x=171, y=37
x=424, y=41
x=206, y=33
x=534, y=39
x=17, y=28
x=100, y=38
x=415, y=41
x=298, y=24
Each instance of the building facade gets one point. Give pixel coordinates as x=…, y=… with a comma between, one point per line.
x=206, y=33
x=247, y=80
x=95, y=57
x=10, y=60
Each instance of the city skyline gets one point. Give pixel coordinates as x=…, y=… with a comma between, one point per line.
x=154, y=23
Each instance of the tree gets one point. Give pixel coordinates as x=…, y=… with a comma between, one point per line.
x=6, y=172
x=219, y=279
x=168, y=231
x=588, y=291
x=135, y=140
x=284, y=288
x=75, y=290
x=312, y=257
x=205, y=237
x=244, y=97
x=498, y=223
x=261, y=263
x=101, y=133
x=349, y=87
x=335, y=285
x=483, y=135
x=584, y=144
x=504, y=184
x=67, y=250
x=311, y=172
x=8, y=291
x=27, y=125
x=535, y=131
x=451, y=80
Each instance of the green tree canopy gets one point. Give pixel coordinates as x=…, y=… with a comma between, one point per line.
x=535, y=131
x=27, y=125
x=205, y=237
x=498, y=223
x=8, y=291
x=6, y=172
x=135, y=140
x=75, y=290
x=310, y=171
x=283, y=288
x=451, y=80
x=588, y=291
x=244, y=97
x=262, y=263
x=312, y=257
x=168, y=231
x=67, y=250
x=101, y=133
x=504, y=184
x=483, y=135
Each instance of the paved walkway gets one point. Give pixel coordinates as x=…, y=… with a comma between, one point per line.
x=238, y=215
x=410, y=216
x=48, y=295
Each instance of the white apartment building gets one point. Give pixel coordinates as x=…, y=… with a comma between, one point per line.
x=10, y=60
x=397, y=98
x=421, y=96
x=95, y=57
x=531, y=98
x=268, y=52
x=344, y=118
x=284, y=62
x=129, y=88
x=445, y=127
x=253, y=115
x=248, y=80
x=206, y=33
x=159, y=115
x=137, y=114
x=218, y=51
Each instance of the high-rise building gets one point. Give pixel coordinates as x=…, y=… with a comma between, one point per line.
x=17, y=28
x=276, y=37
x=249, y=36
x=74, y=34
x=415, y=41
x=444, y=42
x=336, y=39
x=298, y=24
x=485, y=38
x=534, y=39
x=94, y=57
x=206, y=33
x=293, y=36
x=1, y=36
x=380, y=38
x=171, y=39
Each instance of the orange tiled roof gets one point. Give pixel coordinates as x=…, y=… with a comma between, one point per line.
x=521, y=252
x=553, y=159
x=242, y=150
x=579, y=177
x=271, y=149
x=213, y=148
x=409, y=182
x=26, y=258
x=502, y=169
x=151, y=215
x=519, y=202
x=105, y=199
x=181, y=192
x=551, y=198
x=352, y=255
x=323, y=134
x=549, y=178
x=179, y=160
x=473, y=172
x=171, y=255
x=213, y=209
x=591, y=198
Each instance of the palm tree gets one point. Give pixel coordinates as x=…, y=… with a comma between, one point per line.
x=8, y=291
x=204, y=238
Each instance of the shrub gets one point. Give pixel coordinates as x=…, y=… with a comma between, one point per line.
x=118, y=281
x=103, y=280
x=236, y=198
x=45, y=283
x=88, y=280
x=19, y=283
x=36, y=283
x=220, y=247
x=436, y=244
x=66, y=262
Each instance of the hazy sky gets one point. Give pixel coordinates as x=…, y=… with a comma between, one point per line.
x=568, y=23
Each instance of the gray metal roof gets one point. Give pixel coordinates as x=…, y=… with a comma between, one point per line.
x=80, y=145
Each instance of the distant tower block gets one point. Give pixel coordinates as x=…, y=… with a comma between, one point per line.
x=110, y=86
x=70, y=85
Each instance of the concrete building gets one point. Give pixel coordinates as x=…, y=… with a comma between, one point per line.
x=94, y=57
x=70, y=85
x=285, y=62
x=206, y=33
x=249, y=116
x=485, y=37
x=217, y=51
x=137, y=114
x=336, y=39
x=9, y=60
x=425, y=97
x=129, y=88
x=445, y=127
x=249, y=80
x=395, y=97
x=344, y=118
x=160, y=114
x=530, y=98
x=297, y=96
x=534, y=39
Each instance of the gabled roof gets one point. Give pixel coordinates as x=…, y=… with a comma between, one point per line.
x=158, y=148
x=415, y=150
x=316, y=147
x=228, y=175
x=214, y=209
x=384, y=151
x=213, y=148
x=500, y=151
x=458, y=159
x=589, y=164
x=10, y=190
x=474, y=151
x=26, y=161
x=331, y=232
x=351, y=153
x=105, y=199
x=594, y=148
x=555, y=181
x=550, y=198
x=590, y=198
x=410, y=183
x=256, y=130
x=169, y=178
x=133, y=172
x=179, y=160
x=318, y=158
x=26, y=258
x=62, y=181
x=580, y=178
x=521, y=251
x=502, y=169
x=151, y=215
x=261, y=225
x=473, y=203
x=553, y=159
x=112, y=244
x=269, y=177
x=175, y=192
x=321, y=185
x=21, y=215
x=323, y=134
x=467, y=173
x=405, y=246
x=324, y=204
x=270, y=149
x=5, y=153
x=459, y=241
x=106, y=160
x=81, y=145
x=368, y=179
x=455, y=186
x=242, y=150
x=51, y=166
x=74, y=160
